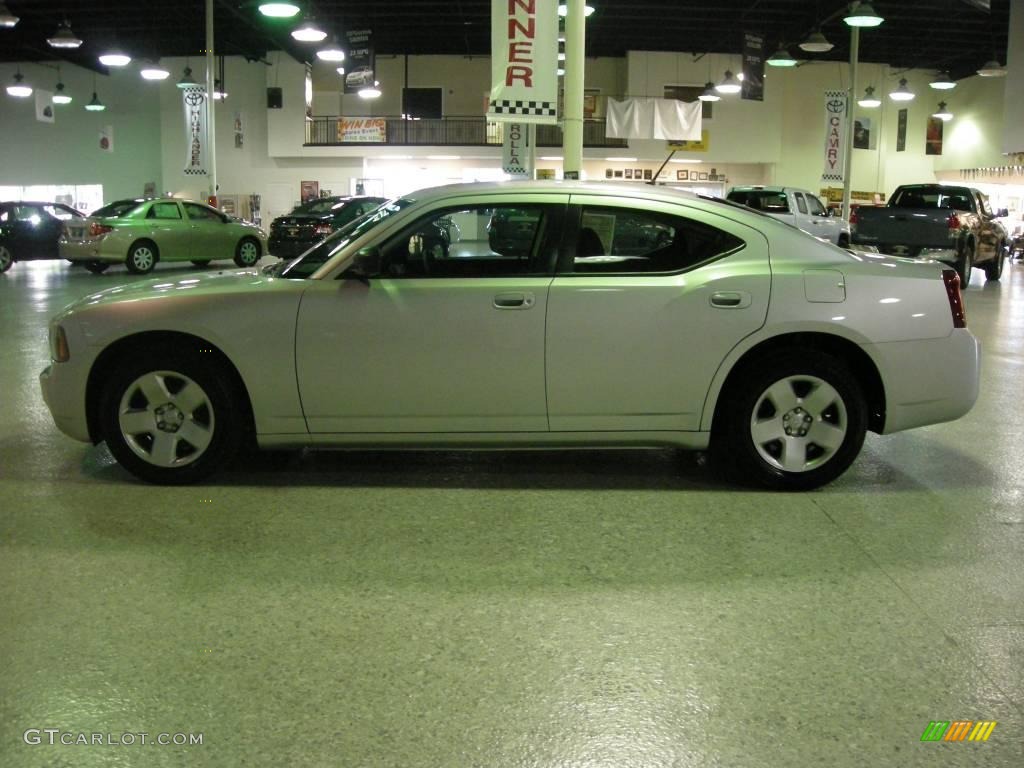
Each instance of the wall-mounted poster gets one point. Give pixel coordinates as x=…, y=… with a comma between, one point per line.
x=682, y=175
x=309, y=190
x=862, y=133
x=933, y=137
x=901, y=131
x=629, y=173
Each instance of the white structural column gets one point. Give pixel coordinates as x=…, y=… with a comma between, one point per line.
x=211, y=132
x=572, y=115
x=851, y=104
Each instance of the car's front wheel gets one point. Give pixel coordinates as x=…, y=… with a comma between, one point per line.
x=994, y=268
x=793, y=422
x=171, y=418
x=6, y=258
x=248, y=252
x=142, y=258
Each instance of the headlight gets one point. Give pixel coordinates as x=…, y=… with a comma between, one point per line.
x=59, y=351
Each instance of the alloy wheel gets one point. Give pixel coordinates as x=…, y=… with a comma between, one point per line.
x=248, y=253
x=143, y=258
x=166, y=419
x=6, y=258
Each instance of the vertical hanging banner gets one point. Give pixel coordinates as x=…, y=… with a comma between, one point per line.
x=901, y=130
x=360, y=67
x=524, y=61
x=517, y=151
x=753, y=67
x=194, y=99
x=836, y=104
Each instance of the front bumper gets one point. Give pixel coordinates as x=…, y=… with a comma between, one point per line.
x=64, y=395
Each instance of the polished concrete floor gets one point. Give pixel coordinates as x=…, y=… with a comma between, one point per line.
x=510, y=609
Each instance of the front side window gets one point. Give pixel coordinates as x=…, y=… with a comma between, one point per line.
x=201, y=213
x=815, y=207
x=164, y=211
x=488, y=240
x=625, y=241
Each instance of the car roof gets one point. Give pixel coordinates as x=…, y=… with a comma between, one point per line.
x=527, y=187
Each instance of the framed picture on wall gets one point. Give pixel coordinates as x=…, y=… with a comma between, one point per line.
x=629, y=173
x=648, y=174
x=682, y=175
x=703, y=177
x=618, y=174
x=638, y=173
x=608, y=173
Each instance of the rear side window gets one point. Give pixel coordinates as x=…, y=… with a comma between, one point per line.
x=198, y=212
x=761, y=200
x=800, y=204
x=626, y=241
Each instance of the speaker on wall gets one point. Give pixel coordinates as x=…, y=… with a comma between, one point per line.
x=274, y=98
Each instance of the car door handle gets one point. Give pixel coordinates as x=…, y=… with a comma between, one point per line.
x=730, y=299
x=514, y=301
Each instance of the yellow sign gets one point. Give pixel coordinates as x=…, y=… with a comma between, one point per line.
x=835, y=195
x=692, y=146
x=362, y=130
x=545, y=173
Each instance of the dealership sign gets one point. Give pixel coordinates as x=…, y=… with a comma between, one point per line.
x=194, y=98
x=836, y=140
x=517, y=151
x=524, y=61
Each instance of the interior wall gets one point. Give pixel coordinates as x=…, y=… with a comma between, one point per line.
x=67, y=151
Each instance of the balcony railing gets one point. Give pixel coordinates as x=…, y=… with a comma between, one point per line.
x=334, y=131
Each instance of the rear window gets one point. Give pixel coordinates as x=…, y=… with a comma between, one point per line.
x=760, y=200
x=957, y=198
x=113, y=210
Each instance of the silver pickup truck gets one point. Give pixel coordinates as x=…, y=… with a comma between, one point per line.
x=952, y=224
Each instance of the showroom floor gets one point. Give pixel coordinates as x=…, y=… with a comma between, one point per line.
x=510, y=609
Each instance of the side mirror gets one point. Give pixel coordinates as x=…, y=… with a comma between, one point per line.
x=365, y=264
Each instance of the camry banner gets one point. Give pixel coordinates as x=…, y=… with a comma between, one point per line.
x=194, y=98
x=524, y=61
x=361, y=64
x=835, y=136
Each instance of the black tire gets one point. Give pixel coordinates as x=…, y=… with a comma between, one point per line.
x=6, y=258
x=219, y=419
x=142, y=257
x=965, y=264
x=839, y=415
x=248, y=252
x=96, y=267
x=994, y=268
x=844, y=241
x=201, y=263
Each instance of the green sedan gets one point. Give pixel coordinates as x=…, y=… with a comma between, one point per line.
x=139, y=233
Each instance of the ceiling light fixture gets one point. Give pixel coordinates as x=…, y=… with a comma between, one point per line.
x=901, y=93
x=863, y=14
x=95, y=105
x=64, y=37
x=331, y=52
x=942, y=82
x=341, y=71
x=279, y=10
x=781, y=58
x=563, y=10
x=19, y=90
x=153, y=71
x=187, y=81
x=816, y=42
x=992, y=69
x=729, y=84
x=370, y=91
x=59, y=96
x=308, y=32
x=709, y=94
x=942, y=113
x=115, y=59
x=7, y=19
x=870, y=101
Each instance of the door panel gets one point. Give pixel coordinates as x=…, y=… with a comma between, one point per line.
x=422, y=355
x=638, y=352
x=166, y=226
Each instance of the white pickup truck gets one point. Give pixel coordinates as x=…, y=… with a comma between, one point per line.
x=795, y=206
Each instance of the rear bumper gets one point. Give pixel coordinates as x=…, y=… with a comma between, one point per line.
x=287, y=248
x=928, y=381
x=89, y=250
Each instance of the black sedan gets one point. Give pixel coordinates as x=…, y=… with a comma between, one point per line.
x=311, y=222
x=30, y=230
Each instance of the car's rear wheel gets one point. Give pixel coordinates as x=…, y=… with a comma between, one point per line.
x=793, y=422
x=247, y=253
x=994, y=268
x=201, y=263
x=965, y=264
x=142, y=257
x=170, y=418
x=6, y=258
x=96, y=267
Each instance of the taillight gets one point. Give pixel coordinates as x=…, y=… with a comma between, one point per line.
x=956, y=302
x=96, y=229
x=323, y=229
x=953, y=222
x=853, y=217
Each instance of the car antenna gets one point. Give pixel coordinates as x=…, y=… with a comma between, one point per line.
x=662, y=168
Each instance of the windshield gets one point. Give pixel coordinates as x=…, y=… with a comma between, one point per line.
x=309, y=262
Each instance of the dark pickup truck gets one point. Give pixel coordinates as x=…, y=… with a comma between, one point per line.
x=955, y=225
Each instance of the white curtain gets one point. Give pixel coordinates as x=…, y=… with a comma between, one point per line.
x=648, y=118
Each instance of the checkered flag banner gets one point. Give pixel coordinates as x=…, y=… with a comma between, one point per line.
x=836, y=139
x=524, y=61
x=195, y=102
